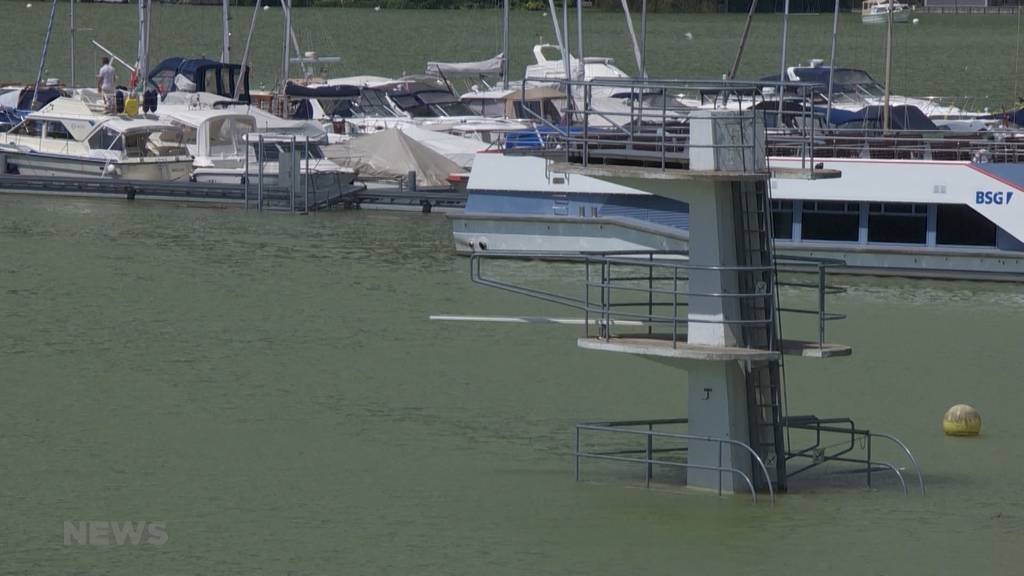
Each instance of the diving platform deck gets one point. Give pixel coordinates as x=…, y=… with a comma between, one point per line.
x=665, y=347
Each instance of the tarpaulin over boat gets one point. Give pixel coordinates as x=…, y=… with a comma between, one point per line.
x=900, y=118
x=490, y=67
x=391, y=154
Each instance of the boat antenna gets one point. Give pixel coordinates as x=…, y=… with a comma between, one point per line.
x=743, y=42
x=832, y=62
x=245, y=54
x=42, y=59
x=782, y=65
x=888, y=69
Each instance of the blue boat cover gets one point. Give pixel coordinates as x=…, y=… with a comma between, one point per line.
x=197, y=71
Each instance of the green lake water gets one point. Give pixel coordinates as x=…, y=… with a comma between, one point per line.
x=270, y=388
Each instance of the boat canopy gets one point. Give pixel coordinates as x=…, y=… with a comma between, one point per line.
x=21, y=99
x=199, y=75
x=330, y=91
x=489, y=67
x=900, y=118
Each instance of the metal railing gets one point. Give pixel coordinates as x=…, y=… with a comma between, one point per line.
x=647, y=122
x=819, y=453
x=652, y=289
x=648, y=452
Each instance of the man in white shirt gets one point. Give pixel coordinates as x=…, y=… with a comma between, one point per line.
x=105, y=80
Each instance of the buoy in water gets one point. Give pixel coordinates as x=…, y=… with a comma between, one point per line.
x=961, y=420
x=915, y=21
x=29, y=5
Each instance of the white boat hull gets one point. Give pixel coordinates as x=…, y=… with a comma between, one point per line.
x=32, y=163
x=883, y=18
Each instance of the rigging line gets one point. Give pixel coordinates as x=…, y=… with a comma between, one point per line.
x=1016, y=60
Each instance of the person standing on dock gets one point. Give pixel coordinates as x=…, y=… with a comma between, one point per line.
x=105, y=80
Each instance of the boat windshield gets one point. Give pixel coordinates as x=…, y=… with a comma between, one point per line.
x=153, y=143
x=271, y=151
x=369, y=104
x=856, y=84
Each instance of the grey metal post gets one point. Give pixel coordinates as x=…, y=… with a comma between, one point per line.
x=649, y=471
x=821, y=305
x=286, y=6
x=245, y=177
x=832, y=62
x=42, y=58
x=259, y=160
x=293, y=181
x=305, y=181
x=782, y=65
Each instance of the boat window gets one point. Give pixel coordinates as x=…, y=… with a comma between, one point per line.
x=485, y=107
x=961, y=225
x=453, y=109
x=551, y=112
x=832, y=221
x=267, y=152
x=29, y=128
x=57, y=131
x=106, y=139
x=163, y=81
x=210, y=80
x=898, y=223
x=782, y=219
x=227, y=135
x=528, y=110
x=372, y=103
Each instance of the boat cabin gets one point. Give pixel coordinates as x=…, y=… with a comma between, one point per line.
x=200, y=75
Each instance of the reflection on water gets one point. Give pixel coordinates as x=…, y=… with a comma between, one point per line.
x=270, y=387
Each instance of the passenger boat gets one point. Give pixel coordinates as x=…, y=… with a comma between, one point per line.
x=65, y=138
x=877, y=11
x=909, y=202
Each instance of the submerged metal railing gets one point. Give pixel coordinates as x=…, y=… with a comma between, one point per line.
x=648, y=452
x=818, y=453
x=651, y=289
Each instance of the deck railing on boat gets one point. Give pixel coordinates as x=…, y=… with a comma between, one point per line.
x=647, y=122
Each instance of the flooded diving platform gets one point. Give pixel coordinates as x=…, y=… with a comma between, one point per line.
x=664, y=346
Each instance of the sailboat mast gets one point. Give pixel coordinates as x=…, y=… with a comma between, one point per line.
x=225, y=54
x=782, y=65
x=73, y=83
x=245, y=53
x=42, y=59
x=504, y=43
x=579, y=37
x=888, y=69
x=643, y=39
x=286, y=7
x=142, y=57
x=743, y=41
x=832, y=62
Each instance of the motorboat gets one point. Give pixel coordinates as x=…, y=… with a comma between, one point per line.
x=67, y=139
x=877, y=11
x=854, y=89
x=227, y=147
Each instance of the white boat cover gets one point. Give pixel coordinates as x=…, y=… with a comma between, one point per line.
x=490, y=67
x=391, y=154
x=459, y=150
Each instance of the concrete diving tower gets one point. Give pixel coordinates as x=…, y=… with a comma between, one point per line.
x=713, y=311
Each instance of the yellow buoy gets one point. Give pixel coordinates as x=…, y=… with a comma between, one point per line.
x=961, y=420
